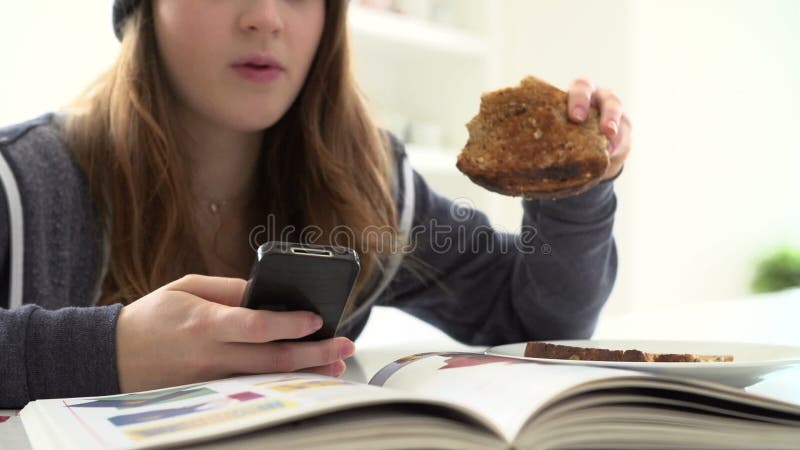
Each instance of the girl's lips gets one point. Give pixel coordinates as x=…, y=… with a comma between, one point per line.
x=258, y=74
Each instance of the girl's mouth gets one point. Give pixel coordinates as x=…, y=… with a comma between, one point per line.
x=258, y=67
x=258, y=73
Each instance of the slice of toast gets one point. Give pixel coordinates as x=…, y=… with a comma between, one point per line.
x=522, y=143
x=556, y=351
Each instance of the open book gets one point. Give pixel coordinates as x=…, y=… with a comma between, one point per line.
x=431, y=400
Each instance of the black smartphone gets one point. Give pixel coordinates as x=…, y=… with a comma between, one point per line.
x=303, y=277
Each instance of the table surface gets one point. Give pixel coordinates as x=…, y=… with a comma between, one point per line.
x=768, y=319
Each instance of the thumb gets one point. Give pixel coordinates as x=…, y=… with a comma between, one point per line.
x=225, y=291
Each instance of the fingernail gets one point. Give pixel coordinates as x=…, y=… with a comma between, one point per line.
x=579, y=113
x=340, y=370
x=346, y=350
x=315, y=323
x=613, y=127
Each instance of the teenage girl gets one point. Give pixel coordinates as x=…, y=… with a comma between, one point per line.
x=127, y=220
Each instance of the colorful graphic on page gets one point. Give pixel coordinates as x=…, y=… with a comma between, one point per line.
x=282, y=379
x=160, y=414
x=301, y=385
x=146, y=399
x=452, y=361
x=390, y=369
x=199, y=420
x=459, y=360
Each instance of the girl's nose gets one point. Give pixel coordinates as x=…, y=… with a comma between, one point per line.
x=262, y=16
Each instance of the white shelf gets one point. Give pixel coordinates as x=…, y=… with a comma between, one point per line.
x=432, y=160
x=411, y=31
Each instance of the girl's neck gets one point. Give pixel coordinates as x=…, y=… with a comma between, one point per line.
x=222, y=169
x=222, y=162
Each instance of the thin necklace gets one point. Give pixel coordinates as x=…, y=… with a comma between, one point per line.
x=217, y=207
x=214, y=207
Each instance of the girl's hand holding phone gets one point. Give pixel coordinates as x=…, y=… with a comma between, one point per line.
x=193, y=329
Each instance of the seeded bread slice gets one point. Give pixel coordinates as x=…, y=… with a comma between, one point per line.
x=555, y=351
x=522, y=143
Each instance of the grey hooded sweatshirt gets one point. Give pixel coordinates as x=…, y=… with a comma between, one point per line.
x=483, y=287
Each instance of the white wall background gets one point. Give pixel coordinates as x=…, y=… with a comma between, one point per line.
x=712, y=88
x=714, y=183
x=51, y=49
x=711, y=85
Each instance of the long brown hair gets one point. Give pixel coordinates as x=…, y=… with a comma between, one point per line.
x=324, y=163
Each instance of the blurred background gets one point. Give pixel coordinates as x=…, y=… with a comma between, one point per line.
x=711, y=87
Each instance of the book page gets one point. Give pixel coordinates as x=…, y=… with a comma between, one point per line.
x=195, y=412
x=505, y=391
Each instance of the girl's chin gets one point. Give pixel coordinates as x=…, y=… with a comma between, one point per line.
x=251, y=119
x=253, y=123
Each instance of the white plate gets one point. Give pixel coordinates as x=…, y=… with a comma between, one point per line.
x=751, y=362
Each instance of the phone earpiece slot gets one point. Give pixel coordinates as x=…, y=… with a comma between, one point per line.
x=311, y=252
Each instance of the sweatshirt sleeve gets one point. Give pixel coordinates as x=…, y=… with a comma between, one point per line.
x=486, y=287
x=69, y=352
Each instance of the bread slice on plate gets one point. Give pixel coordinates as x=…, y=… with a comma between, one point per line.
x=522, y=143
x=556, y=351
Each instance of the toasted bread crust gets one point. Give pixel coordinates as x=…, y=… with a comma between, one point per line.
x=522, y=143
x=555, y=351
